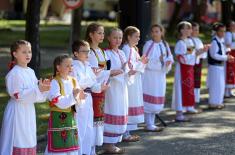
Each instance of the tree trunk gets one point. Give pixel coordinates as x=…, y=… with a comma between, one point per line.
x=76, y=23
x=32, y=32
x=233, y=14
x=199, y=9
x=174, y=18
x=226, y=11
x=155, y=12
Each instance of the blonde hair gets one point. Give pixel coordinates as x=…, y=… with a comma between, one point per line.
x=130, y=30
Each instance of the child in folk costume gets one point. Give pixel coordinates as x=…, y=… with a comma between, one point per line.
x=63, y=95
x=230, y=66
x=135, y=92
x=18, y=133
x=183, y=92
x=116, y=97
x=198, y=65
x=216, y=58
x=87, y=81
x=101, y=67
x=154, y=77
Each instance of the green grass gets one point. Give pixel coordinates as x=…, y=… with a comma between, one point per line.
x=3, y=96
x=56, y=35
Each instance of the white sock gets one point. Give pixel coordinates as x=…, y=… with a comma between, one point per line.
x=147, y=118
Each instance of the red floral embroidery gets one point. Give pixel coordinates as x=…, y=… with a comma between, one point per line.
x=54, y=101
x=62, y=117
x=16, y=95
x=64, y=135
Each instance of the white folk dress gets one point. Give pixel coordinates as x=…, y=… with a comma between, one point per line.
x=198, y=67
x=19, y=121
x=229, y=40
x=116, y=99
x=84, y=112
x=154, y=77
x=95, y=58
x=216, y=74
x=135, y=91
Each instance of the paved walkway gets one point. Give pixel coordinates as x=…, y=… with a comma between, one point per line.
x=209, y=133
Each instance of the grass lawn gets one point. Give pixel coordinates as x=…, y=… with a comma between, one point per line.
x=52, y=34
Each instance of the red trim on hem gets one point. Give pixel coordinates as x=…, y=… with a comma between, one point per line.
x=108, y=134
x=135, y=111
x=24, y=151
x=115, y=120
x=153, y=99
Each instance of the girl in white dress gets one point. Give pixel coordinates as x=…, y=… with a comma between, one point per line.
x=100, y=64
x=116, y=96
x=199, y=60
x=87, y=81
x=154, y=77
x=229, y=41
x=135, y=92
x=183, y=99
x=18, y=133
x=64, y=94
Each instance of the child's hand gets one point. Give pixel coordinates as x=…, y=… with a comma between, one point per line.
x=44, y=85
x=97, y=70
x=206, y=47
x=168, y=63
x=115, y=72
x=132, y=72
x=104, y=86
x=231, y=58
x=82, y=95
x=144, y=59
x=79, y=94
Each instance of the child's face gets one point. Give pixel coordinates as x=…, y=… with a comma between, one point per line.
x=82, y=54
x=23, y=55
x=232, y=27
x=134, y=39
x=98, y=36
x=156, y=33
x=195, y=31
x=220, y=32
x=65, y=68
x=115, y=39
x=186, y=31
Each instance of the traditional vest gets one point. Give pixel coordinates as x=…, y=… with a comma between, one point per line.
x=211, y=60
x=102, y=64
x=62, y=129
x=98, y=98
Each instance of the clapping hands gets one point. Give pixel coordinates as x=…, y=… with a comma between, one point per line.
x=44, y=85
